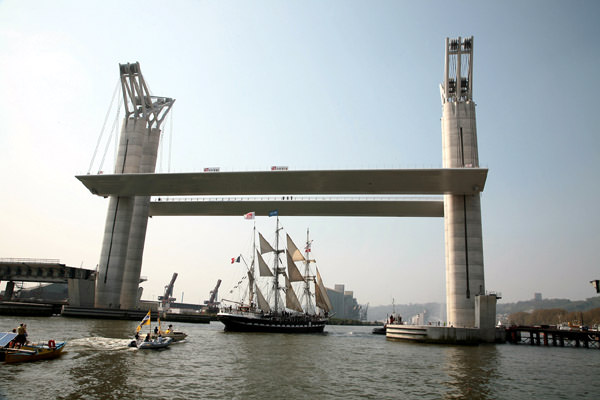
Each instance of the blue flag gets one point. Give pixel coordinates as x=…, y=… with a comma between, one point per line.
x=273, y=213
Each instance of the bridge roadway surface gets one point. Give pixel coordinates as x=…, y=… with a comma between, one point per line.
x=289, y=185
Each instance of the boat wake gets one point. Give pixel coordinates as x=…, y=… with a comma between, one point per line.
x=99, y=344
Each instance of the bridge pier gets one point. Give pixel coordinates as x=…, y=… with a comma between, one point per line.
x=9, y=291
x=127, y=217
x=462, y=213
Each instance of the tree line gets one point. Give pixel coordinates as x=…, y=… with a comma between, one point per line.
x=555, y=316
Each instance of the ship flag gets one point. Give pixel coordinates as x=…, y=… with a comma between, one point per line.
x=145, y=321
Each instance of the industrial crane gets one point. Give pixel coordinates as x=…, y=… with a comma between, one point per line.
x=212, y=302
x=166, y=299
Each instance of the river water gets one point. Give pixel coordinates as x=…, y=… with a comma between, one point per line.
x=344, y=362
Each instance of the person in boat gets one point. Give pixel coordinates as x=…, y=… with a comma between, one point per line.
x=21, y=335
x=137, y=336
x=169, y=329
x=147, y=339
x=156, y=330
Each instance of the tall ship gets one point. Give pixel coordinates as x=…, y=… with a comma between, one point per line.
x=280, y=297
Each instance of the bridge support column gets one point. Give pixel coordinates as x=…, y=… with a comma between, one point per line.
x=9, y=291
x=462, y=213
x=139, y=224
x=80, y=292
x=118, y=221
x=127, y=218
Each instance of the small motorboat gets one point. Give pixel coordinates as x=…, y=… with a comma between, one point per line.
x=380, y=330
x=28, y=352
x=175, y=335
x=157, y=343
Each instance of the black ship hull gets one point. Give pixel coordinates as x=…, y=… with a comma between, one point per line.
x=241, y=323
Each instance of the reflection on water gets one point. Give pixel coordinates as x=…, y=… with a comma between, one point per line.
x=470, y=370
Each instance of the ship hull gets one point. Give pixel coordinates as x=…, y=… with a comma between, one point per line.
x=241, y=323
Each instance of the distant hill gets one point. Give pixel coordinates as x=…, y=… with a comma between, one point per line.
x=565, y=304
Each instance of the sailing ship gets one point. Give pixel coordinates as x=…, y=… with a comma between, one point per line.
x=273, y=304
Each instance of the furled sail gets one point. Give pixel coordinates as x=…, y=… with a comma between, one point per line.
x=296, y=255
x=321, y=297
x=291, y=300
x=263, y=268
x=294, y=274
x=250, y=286
x=262, y=303
x=265, y=247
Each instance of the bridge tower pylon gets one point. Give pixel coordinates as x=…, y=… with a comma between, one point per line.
x=127, y=217
x=462, y=213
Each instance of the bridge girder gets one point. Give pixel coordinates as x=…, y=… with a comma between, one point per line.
x=438, y=181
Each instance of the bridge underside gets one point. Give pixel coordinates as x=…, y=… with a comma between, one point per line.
x=315, y=208
x=33, y=271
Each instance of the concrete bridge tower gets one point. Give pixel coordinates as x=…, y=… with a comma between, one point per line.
x=462, y=213
x=127, y=218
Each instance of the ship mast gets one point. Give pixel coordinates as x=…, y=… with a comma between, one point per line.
x=307, y=273
x=277, y=251
x=252, y=267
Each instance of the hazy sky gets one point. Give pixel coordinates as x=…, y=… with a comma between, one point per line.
x=311, y=85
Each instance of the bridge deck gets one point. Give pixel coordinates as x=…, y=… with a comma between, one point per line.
x=343, y=182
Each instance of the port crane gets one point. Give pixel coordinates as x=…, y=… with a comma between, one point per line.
x=212, y=302
x=166, y=299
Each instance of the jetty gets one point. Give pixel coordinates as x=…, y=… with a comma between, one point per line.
x=546, y=335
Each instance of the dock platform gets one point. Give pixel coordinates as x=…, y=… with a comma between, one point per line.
x=552, y=336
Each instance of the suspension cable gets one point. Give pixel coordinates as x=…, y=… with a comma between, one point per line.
x=104, y=125
x=114, y=129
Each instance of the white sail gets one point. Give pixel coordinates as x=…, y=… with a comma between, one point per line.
x=265, y=247
x=296, y=255
x=262, y=303
x=294, y=274
x=263, y=268
x=321, y=297
x=291, y=300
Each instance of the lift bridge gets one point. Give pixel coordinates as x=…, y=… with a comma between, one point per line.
x=134, y=184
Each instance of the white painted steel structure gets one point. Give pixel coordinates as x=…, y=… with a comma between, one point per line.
x=462, y=213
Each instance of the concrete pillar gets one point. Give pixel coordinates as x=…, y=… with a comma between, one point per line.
x=80, y=292
x=485, y=316
x=9, y=291
x=462, y=213
x=139, y=224
x=127, y=219
x=118, y=219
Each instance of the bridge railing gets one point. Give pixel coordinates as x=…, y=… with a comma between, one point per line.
x=297, y=198
x=31, y=260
